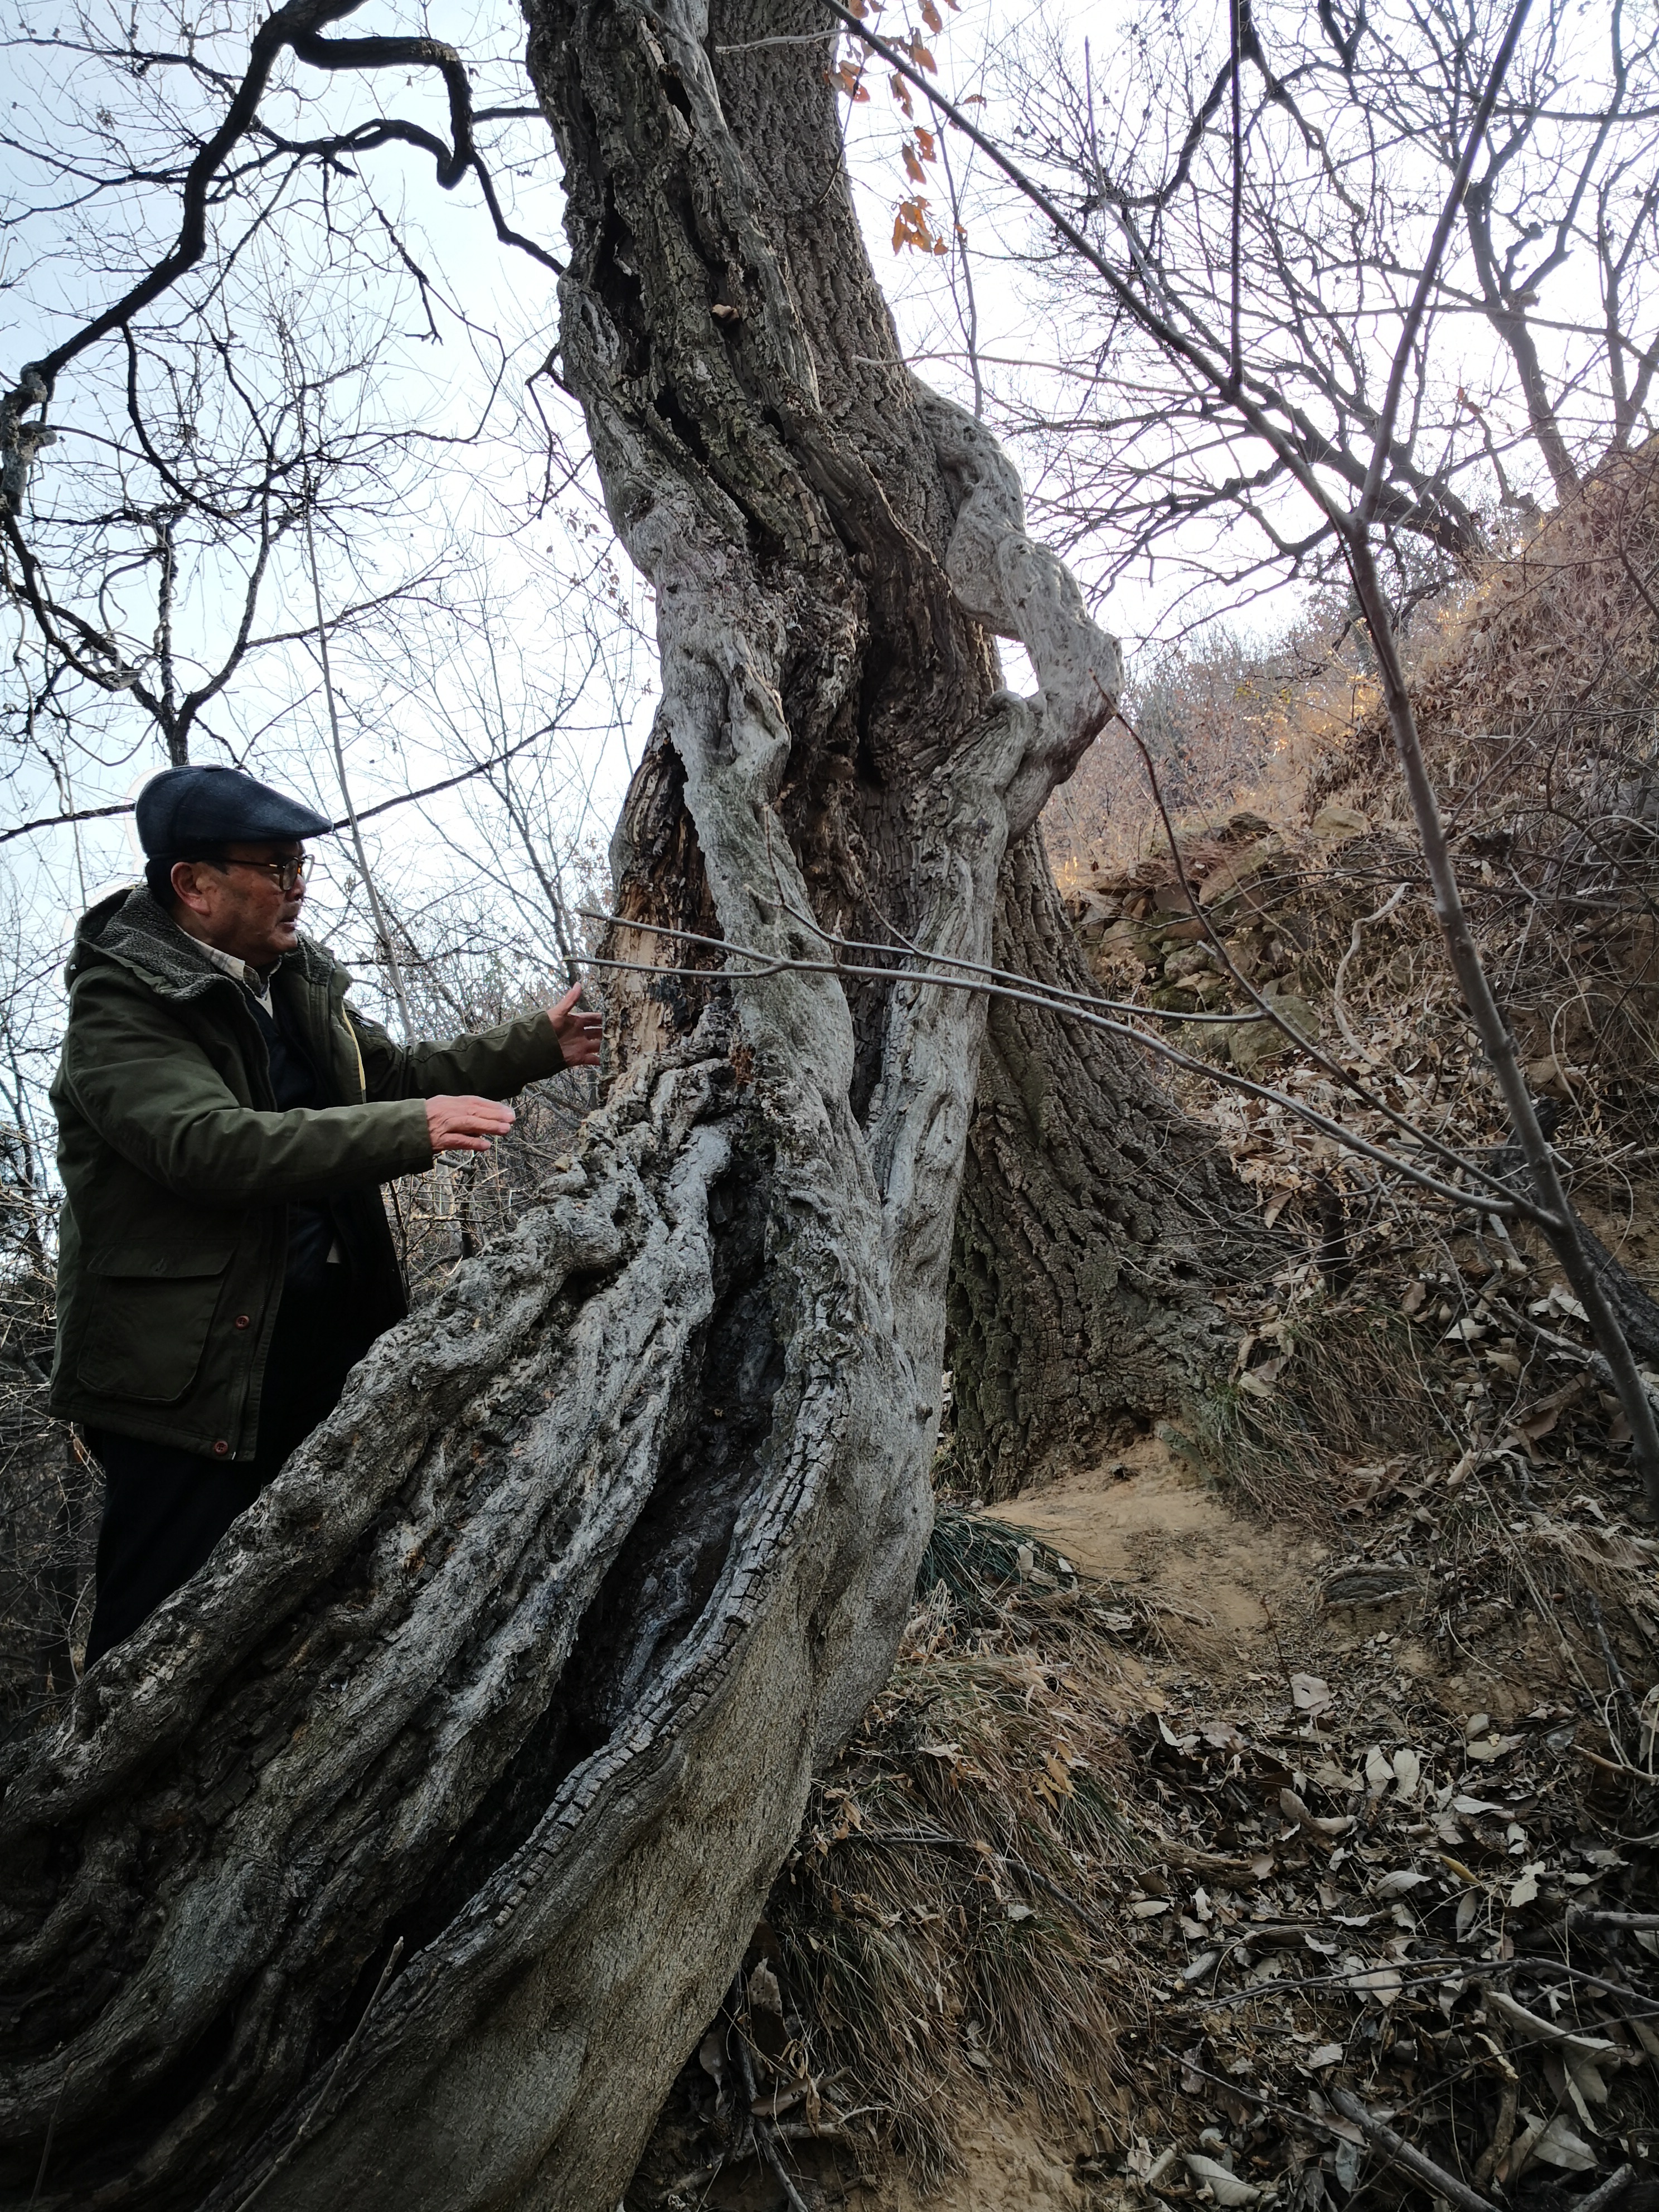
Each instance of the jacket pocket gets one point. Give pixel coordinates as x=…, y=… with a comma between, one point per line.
x=148, y=1322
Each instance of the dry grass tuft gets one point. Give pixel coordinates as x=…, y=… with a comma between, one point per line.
x=941, y=1914
x=945, y=1930
x=1351, y=1392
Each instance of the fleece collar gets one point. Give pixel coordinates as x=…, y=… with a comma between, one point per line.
x=132, y=929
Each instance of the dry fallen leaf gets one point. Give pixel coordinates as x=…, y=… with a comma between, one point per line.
x=1558, y=2146
x=1311, y=1693
x=1293, y=1809
x=1382, y=1983
x=1223, y=1736
x=1397, y=1884
x=1495, y=1746
x=1226, y=2188
x=1331, y=1776
x=779, y=2101
x=1523, y=1890
x=1585, y=2081
x=1536, y=2029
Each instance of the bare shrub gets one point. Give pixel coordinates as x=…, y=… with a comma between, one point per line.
x=1230, y=724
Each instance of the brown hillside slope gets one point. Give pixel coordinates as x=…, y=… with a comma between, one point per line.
x=1526, y=687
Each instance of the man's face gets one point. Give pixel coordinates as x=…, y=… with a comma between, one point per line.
x=239, y=905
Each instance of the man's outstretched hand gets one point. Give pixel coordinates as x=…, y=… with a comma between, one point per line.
x=579, y=1033
x=467, y=1125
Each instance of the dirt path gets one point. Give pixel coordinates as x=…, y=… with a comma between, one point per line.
x=1229, y=1592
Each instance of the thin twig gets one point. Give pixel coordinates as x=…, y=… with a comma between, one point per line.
x=382, y=928
x=1451, y=208
x=1436, y=1970
x=1606, y=2192
x=901, y=947
x=1406, y=2155
x=364, y=813
x=51, y=2130
x=1235, y=337
x=1269, y=1010
x=764, y=2130
x=1362, y=922
x=1236, y=2088
x=1556, y=1218
x=769, y=964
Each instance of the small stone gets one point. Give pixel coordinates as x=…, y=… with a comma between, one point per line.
x=1336, y=822
x=1254, y=1043
x=1233, y=874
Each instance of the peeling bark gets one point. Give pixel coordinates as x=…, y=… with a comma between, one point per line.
x=528, y=1653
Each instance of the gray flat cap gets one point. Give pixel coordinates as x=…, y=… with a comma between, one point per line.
x=187, y=812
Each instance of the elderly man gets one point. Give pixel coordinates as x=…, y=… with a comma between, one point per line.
x=225, y=1123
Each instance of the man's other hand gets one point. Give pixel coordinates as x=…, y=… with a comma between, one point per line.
x=579, y=1033
x=467, y=1125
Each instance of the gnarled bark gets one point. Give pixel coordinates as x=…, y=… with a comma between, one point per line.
x=526, y=1656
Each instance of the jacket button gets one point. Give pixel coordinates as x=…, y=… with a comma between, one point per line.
x=221, y=1448
x=242, y=1320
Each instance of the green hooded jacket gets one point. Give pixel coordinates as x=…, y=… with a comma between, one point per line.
x=177, y=1170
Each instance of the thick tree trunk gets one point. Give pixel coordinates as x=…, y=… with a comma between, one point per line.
x=526, y=1657
x=1094, y=1225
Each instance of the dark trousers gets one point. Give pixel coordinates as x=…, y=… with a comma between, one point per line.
x=164, y=1510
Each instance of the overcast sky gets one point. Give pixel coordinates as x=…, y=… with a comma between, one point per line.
x=525, y=613
x=566, y=622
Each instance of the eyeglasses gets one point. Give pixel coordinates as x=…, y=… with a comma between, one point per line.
x=287, y=875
